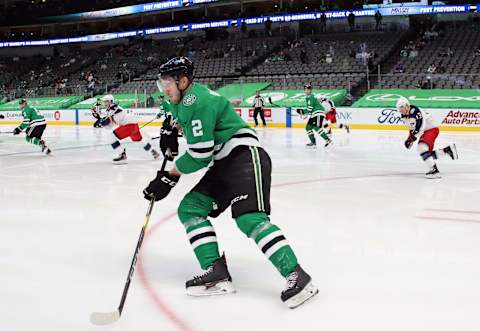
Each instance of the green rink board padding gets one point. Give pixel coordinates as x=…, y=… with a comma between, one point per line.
x=123, y=100
x=295, y=98
x=51, y=103
x=240, y=91
x=435, y=98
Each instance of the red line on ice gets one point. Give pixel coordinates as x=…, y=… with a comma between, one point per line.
x=433, y=218
x=453, y=211
x=161, y=304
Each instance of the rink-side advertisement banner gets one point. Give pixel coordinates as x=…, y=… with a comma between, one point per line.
x=60, y=117
x=389, y=118
x=140, y=115
x=359, y=118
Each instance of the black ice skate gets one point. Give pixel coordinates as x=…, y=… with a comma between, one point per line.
x=329, y=133
x=44, y=147
x=347, y=127
x=329, y=142
x=121, y=159
x=155, y=154
x=311, y=145
x=451, y=151
x=299, y=288
x=215, y=281
x=433, y=173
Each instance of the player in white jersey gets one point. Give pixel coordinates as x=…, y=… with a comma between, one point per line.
x=331, y=116
x=125, y=127
x=423, y=128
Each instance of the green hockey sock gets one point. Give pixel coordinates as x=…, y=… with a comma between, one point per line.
x=35, y=141
x=270, y=239
x=311, y=136
x=193, y=212
x=323, y=135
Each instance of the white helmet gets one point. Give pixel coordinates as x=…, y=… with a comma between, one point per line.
x=108, y=97
x=402, y=102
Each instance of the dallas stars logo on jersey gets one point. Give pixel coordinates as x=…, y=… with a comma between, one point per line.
x=189, y=100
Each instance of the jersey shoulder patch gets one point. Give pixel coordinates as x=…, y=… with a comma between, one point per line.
x=189, y=100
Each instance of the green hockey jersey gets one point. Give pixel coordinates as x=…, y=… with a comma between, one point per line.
x=164, y=108
x=314, y=107
x=31, y=118
x=211, y=127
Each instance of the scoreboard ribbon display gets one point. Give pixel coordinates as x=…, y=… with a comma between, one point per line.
x=339, y=14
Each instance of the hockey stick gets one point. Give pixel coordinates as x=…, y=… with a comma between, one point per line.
x=6, y=132
x=273, y=104
x=98, y=318
x=148, y=122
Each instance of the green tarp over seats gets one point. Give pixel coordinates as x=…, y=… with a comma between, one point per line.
x=295, y=98
x=235, y=93
x=435, y=98
x=51, y=103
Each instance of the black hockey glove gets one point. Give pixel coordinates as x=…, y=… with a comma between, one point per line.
x=300, y=112
x=97, y=123
x=1, y=117
x=95, y=115
x=410, y=140
x=169, y=140
x=161, y=186
x=16, y=131
x=104, y=122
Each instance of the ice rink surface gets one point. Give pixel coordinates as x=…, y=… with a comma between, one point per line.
x=387, y=248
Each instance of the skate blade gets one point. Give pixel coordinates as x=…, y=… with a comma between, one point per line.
x=220, y=288
x=306, y=294
x=436, y=176
x=120, y=162
x=455, y=153
x=329, y=145
x=311, y=147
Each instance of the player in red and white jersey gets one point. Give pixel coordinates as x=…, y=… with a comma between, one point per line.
x=423, y=129
x=126, y=127
x=331, y=116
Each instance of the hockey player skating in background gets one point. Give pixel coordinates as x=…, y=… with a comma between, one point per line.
x=331, y=116
x=34, y=125
x=316, y=115
x=97, y=113
x=239, y=176
x=422, y=128
x=126, y=127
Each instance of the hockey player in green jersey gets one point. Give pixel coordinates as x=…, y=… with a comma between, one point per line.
x=316, y=115
x=34, y=125
x=239, y=176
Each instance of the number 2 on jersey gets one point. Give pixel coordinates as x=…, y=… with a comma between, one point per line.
x=197, y=128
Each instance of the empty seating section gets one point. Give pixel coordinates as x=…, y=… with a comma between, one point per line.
x=453, y=56
x=349, y=55
x=329, y=61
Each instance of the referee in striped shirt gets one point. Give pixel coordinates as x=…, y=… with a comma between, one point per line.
x=258, y=104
